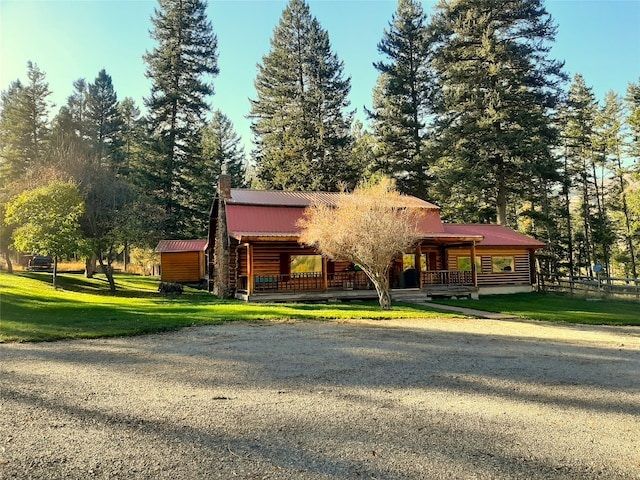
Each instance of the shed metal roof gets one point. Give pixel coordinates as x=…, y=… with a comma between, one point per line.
x=175, y=246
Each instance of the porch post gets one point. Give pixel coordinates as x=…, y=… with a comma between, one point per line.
x=418, y=263
x=325, y=278
x=249, y=268
x=474, y=270
x=532, y=266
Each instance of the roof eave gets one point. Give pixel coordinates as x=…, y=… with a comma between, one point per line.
x=244, y=237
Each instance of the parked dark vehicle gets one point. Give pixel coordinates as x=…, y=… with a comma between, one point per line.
x=40, y=263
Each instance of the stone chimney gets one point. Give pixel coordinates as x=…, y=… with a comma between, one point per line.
x=221, y=250
x=224, y=187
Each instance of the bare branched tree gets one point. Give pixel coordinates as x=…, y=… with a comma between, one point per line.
x=369, y=227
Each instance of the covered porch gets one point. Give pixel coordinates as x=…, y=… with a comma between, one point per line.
x=288, y=271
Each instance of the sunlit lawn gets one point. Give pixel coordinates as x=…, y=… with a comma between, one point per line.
x=31, y=310
x=558, y=308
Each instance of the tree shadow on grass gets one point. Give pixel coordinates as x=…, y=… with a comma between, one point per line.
x=96, y=285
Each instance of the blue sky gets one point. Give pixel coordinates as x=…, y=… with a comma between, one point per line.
x=70, y=39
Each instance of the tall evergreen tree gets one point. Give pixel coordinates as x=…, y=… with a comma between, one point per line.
x=299, y=120
x=181, y=68
x=496, y=91
x=632, y=101
x=104, y=123
x=402, y=98
x=222, y=152
x=578, y=118
x=77, y=107
x=130, y=134
x=363, y=156
x=24, y=125
x=612, y=144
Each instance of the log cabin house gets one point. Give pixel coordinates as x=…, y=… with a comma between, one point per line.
x=254, y=254
x=182, y=261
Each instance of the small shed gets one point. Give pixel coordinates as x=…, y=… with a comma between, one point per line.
x=182, y=261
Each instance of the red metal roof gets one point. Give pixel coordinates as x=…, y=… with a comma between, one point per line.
x=283, y=198
x=166, y=246
x=257, y=220
x=279, y=221
x=274, y=213
x=494, y=235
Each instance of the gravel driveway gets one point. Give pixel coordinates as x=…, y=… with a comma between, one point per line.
x=398, y=399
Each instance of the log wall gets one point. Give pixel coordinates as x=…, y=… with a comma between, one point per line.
x=182, y=266
x=521, y=275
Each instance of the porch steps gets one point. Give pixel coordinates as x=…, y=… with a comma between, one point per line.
x=415, y=295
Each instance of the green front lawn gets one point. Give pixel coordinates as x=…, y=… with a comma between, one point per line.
x=31, y=310
x=557, y=308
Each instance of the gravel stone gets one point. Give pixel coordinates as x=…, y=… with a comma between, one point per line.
x=391, y=399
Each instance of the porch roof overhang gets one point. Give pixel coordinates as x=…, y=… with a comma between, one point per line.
x=245, y=237
x=436, y=237
x=452, y=239
x=495, y=235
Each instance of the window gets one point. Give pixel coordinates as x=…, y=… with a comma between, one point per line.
x=502, y=264
x=306, y=264
x=464, y=264
x=409, y=261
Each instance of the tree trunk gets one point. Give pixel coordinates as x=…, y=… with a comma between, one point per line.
x=90, y=266
x=501, y=200
x=384, y=298
x=7, y=257
x=55, y=272
x=566, y=189
x=625, y=210
x=381, y=283
x=108, y=272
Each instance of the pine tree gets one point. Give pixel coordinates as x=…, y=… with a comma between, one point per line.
x=181, y=68
x=612, y=143
x=77, y=107
x=632, y=101
x=363, y=156
x=130, y=135
x=578, y=119
x=299, y=124
x=104, y=123
x=401, y=99
x=222, y=152
x=495, y=93
x=24, y=125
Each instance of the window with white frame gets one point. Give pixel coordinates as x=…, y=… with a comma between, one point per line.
x=502, y=264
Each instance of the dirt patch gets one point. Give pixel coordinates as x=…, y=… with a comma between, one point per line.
x=391, y=399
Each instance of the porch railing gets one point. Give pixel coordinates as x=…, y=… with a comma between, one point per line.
x=353, y=280
x=297, y=282
x=447, y=277
x=356, y=280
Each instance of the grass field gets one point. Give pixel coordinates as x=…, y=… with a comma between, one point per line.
x=558, y=308
x=31, y=310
